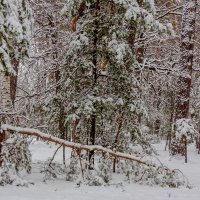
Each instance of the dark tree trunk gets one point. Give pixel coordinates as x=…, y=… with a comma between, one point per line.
x=119, y=127
x=13, y=82
x=140, y=51
x=182, y=103
x=2, y=137
x=93, y=117
x=186, y=60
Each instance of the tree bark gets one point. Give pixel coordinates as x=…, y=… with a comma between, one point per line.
x=93, y=117
x=186, y=60
x=5, y=104
x=119, y=127
x=5, y=99
x=182, y=104
x=13, y=82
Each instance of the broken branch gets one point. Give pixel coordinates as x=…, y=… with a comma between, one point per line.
x=72, y=145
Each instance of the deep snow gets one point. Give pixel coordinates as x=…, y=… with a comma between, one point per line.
x=59, y=189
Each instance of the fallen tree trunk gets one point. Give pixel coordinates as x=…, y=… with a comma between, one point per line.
x=72, y=145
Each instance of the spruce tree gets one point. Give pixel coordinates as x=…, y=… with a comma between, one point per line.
x=14, y=33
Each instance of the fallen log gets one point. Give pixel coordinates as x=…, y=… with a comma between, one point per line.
x=78, y=147
x=72, y=145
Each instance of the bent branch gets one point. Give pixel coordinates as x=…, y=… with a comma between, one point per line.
x=72, y=145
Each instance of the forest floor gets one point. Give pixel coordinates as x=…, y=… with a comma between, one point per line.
x=59, y=189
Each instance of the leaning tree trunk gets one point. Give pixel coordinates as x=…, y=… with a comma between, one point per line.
x=185, y=64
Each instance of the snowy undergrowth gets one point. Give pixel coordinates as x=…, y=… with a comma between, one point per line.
x=76, y=169
x=61, y=189
x=15, y=161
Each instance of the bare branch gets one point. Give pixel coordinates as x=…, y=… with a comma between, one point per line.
x=169, y=12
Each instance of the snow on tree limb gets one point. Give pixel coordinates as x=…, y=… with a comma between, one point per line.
x=47, y=137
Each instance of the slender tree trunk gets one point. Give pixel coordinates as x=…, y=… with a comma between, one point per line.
x=119, y=127
x=93, y=117
x=13, y=82
x=140, y=51
x=2, y=135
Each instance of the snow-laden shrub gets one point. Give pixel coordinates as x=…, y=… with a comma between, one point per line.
x=105, y=169
x=16, y=158
x=16, y=155
x=7, y=177
x=51, y=170
x=150, y=174
x=73, y=169
x=93, y=177
x=184, y=127
x=78, y=170
x=184, y=133
x=94, y=180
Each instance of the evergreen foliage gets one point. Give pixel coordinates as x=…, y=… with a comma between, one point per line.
x=99, y=83
x=15, y=32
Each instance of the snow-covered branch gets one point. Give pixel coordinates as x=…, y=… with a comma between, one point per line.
x=47, y=137
x=171, y=11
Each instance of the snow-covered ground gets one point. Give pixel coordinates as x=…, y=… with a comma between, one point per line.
x=59, y=189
